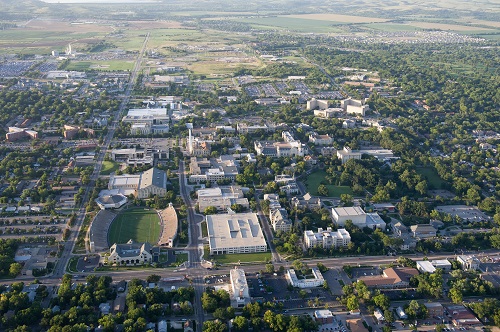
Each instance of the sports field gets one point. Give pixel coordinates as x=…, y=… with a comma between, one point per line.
x=140, y=225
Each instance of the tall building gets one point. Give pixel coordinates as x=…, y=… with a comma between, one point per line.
x=240, y=294
x=354, y=106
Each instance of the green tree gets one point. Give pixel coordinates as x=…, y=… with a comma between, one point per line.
x=210, y=210
x=240, y=324
x=323, y=190
x=214, y=326
x=382, y=301
x=352, y=303
x=15, y=269
x=455, y=295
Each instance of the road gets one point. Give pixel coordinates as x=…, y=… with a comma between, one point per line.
x=194, y=247
x=69, y=245
x=266, y=227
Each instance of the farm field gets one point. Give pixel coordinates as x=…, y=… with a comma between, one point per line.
x=316, y=178
x=338, y=18
x=291, y=23
x=140, y=225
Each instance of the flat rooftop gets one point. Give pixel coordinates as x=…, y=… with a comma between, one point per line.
x=465, y=212
x=349, y=211
x=235, y=230
x=140, y=112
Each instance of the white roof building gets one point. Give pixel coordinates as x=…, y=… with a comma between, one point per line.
x=240, y=295
x=235, y=233
x=295, y=281
x=355, y=214
x=425, y=267
x=327, y=238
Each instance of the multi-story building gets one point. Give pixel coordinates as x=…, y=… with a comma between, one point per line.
x=327, y=238
x=347, y=154
x=315, y=103
x=423, y=231
x=244, y=128
x=235, y=233
x=468, y=262
x=327, y=113
x=295, y=281
x=355, y=214
x=354, y=106
x=131, y=253
x=279, y=220
x=16, y=133
x=320, y=139
x=279, y=149
x=240, y=295
x=150, y=182
x=221, y=203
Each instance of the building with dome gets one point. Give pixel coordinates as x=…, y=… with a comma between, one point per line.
x=111, y=201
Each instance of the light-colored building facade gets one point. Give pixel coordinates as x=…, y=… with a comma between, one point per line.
x=316, y=103
x=320, y=139
x=468, y=262
x=130, y=253
x=327, y=238
x=279, y=220
x=354, y=106
x=235, y=233
x=150, y=182
x=355, y=214
x=295, y=281
x=347, y=154
x=240, y=295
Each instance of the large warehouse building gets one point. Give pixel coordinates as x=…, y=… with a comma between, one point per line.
x=235, y=233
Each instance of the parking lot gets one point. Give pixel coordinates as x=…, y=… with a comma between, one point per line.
x=364, y=272
x=88, y=264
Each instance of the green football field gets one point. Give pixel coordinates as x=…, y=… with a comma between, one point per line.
x=140, y=225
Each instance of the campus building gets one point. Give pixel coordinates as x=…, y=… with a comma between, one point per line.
x=327, y=238
x=16, y=133
x=240, y=295
x=150, y=182
x=131, y=253
x=354, y=106
x=316, y=280
x=235, y=233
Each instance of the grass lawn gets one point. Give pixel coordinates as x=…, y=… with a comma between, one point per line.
x=314, y=180
x=243, y=258
x=140, y=225
x=204, y=230
x=181, y=258
x=433, y=179
x=109, y=167
x=72, y=264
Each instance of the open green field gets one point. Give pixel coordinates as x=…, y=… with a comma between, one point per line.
x=243, y=258
x=315, y=179
x=109, y=167
x=291, y=23
x=140, y=225
x=433, y=179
